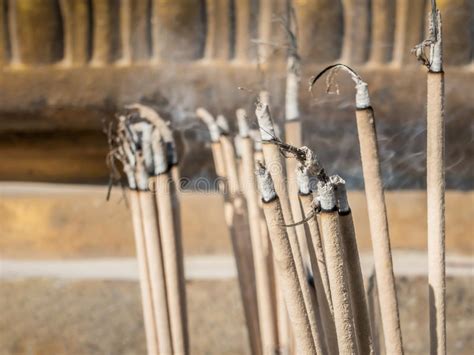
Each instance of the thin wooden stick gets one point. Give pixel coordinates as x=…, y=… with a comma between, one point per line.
x=155, y=261
x=319, y=266
x=262, y=273
x=346, y=338
x=217, y=155
x=356, y=280
x=435, y=182
x=237, y=222
x=377, y=210
x=276, y=167
x=145, y=287
x=286, y=267
x=285, y=336
x=379, y=231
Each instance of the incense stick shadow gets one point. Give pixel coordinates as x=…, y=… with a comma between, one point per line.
x=433, y=320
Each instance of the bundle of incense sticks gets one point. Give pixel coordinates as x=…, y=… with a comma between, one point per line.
x=144, y=145
x=290, y=223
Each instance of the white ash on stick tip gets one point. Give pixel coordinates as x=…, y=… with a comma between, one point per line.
x=327, y=196
x=223, y=124
x=341, y=194
x=264, y=97
x=436, y=47
x=242, y=122
x=303, y=180
x=362, y=97
x=264, y=118
x=292, y=81
x=160, y=158
x=265, y=183
x=238, y=146
x=211, y=124
x=255, y=135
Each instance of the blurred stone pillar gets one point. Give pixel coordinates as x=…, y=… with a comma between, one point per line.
x=4, y=56
x=383, y=26
x=320, y=29
x=105, y=15
x=355, y=44
x=410, y=17
x=178, y=29
x=458, y=31
x=35, y=32
x=76, y=27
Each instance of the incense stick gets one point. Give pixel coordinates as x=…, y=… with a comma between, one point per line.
x=272, y=156
x=262, y=273
x=346, y=338
x=214, y=130
x=435, y=182
x=376, y=207
x=321, y=279
x=354, y=271
x=155, y=261
x=236, y=220
x=145, y=287
x=285, y=263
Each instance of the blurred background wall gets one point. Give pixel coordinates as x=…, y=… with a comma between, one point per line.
x=66, y=66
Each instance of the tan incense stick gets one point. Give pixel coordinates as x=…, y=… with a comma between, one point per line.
x=276, y=168
x=318, y=261
x=157, y=275
x=353, y=269
x=377, y=210
x=435, y=182
x=343, y=318
x=145, y=287
x=172, y=257
x=237, y=222
x=286, y=267
x=262, y=273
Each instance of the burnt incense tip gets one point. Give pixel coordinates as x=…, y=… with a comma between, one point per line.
x=341, y=193
x=242, y=122
x=255, y=135
x=303, y=180
x=327, y=196
x=264, y=97
x=362, y=95
x=238, y=146
x=265, y=183
x=223, y=124
x=264, y=118
x=292, y=81
x=211, y=124
x=160, y=158
x=436, y=48
x=141, y=174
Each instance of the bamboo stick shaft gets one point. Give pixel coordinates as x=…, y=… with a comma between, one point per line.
x=321, y=281
x=267, y=317
x=145, y=287
x=218, y=157
x=293, y=137
x=347, y=343
x=379, y=230
x=356, y=285
x=237, y=221
x=172, y=262
x=288, y=277
x=276, y=168
x=157, y=276
x=436, y=217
